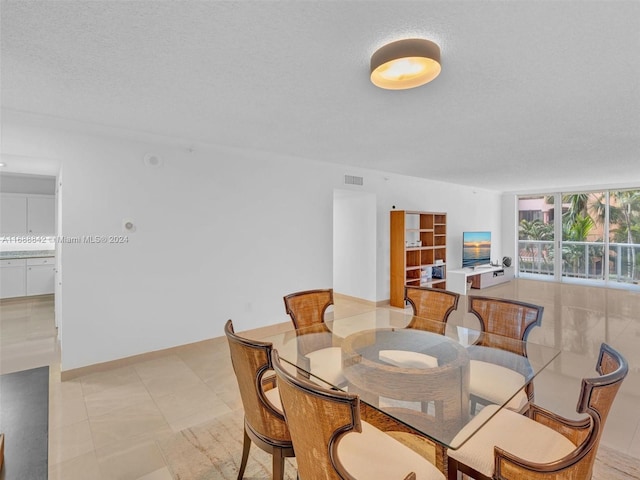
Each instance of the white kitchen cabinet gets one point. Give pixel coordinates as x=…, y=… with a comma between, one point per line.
x=40, y=275
x=13, y=281
x=41, y=214
x=13, y=214
x=23, y=214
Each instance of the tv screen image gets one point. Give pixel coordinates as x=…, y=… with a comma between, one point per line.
x=476, y=249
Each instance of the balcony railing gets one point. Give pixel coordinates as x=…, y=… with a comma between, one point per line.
x=536, y=256
x=582, y=260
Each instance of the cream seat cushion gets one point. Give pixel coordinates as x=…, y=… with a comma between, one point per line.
x=326, y=364
x=496, y=384
x=373, y=455
x=515, y=433
x=405, y=359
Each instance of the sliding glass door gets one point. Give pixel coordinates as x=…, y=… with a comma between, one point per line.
x=583, y=233
x=624, y=236
x=589, y=237
x=536, y=235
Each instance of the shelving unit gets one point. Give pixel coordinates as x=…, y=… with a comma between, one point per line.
x=418, y=251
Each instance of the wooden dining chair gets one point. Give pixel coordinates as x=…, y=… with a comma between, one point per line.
x=543, y=445
x=431, y=304
x=431, y=309
x=264, y=422
x=508, y=323
x=334, y=443
x=308, y=307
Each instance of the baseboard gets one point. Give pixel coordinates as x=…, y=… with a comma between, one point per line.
x=370, y=303
x=342, y=296
x=260, y=332
x=267, y=331
x=383, y=303
x=125, y=362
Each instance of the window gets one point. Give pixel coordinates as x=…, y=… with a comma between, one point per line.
x=624, y=236
x=597, y=238
x=536, y=235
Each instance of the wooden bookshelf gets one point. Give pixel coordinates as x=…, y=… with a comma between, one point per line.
x=418, y=251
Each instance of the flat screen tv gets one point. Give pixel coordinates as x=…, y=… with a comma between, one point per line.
x=476, y=249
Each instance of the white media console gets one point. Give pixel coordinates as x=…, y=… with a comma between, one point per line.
x=482, y=277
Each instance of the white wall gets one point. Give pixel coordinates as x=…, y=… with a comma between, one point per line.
x=510, y=227
x=354, y=244
x=219, y=234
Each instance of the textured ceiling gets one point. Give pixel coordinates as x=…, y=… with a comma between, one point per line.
x=532, y=95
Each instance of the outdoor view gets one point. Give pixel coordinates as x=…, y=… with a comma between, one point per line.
x=599, y=235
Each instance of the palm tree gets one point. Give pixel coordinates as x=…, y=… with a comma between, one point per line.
x=537, y=230
x=578, y=205
x=576, y=231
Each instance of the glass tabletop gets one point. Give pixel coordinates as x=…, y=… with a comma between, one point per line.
x=414, y=370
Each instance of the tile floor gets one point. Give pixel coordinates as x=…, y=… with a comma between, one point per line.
x=104, y=425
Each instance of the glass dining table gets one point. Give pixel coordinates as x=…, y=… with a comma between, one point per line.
x=411, y=374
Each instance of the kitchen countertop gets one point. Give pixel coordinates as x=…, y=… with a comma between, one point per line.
x=27, y=254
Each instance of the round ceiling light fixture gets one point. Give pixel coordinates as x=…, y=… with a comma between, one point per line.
x=405, y=64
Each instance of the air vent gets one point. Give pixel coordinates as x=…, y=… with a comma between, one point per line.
x=353, y=180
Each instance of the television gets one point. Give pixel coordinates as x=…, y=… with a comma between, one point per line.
x=476, y=249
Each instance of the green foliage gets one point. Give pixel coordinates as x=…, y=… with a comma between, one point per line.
x=535, y=230
x=625, y=216
x=583, y=212
x=577, y=229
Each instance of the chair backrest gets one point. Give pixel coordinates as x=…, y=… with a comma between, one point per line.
x=334, y=414
x=597, y=394
x=307, y=307
x=596, y=397
x=507, y=318
x=430, y=304
x=251, y=360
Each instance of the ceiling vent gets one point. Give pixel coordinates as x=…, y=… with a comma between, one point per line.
x=353, y=180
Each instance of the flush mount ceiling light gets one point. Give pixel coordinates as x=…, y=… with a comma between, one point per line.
x=405, y=64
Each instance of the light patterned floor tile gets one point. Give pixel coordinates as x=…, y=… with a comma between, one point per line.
x=130, y=459
x=110, y=399
x=166, y=375
x=66, y=403
x=634, y=448
x=196, y=401
x=83, y=467
x=70, y=441
x=125, y=423
x=162, y=474
x=118, y=377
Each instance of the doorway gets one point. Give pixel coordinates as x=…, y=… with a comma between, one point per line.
x=28, y=324
x=354, y=244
